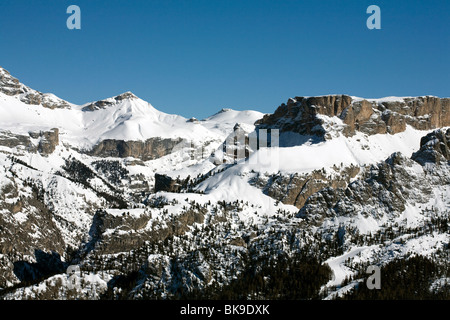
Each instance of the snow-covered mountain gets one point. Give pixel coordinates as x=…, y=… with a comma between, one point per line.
x=124, y=117
x=147, y=204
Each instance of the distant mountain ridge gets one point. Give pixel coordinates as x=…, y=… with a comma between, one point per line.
x=122, y=120
x=125, y=119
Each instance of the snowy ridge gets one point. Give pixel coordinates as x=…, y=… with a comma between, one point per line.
x=129, y=119
x=124, y=117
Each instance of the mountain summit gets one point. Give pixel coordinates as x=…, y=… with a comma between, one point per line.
x=102, y=104
x=122, y=119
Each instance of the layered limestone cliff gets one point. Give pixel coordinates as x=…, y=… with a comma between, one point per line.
x=48, y=140
x=12, y=87
x=44, y=142
x=302, y=114
x=145, y=150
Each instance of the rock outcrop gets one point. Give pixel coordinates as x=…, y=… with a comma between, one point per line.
x=20, y=220
x=301, y=115
x=166, y=183
x=102, y=104
x=150, y=149
x=44, y=142
x=119, y=233
x=12, y=87
x=12, y=140
x=8, y=84
x=295, y=189
x=384, y=188
x=434, y=148
x=48, y=140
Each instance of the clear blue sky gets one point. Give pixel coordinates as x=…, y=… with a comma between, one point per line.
x=193, y=57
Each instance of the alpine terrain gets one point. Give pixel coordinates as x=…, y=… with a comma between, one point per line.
x=115, y=199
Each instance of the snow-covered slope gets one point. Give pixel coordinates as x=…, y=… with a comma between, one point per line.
x=130, y=119
x=124, y=117
x=224, y=121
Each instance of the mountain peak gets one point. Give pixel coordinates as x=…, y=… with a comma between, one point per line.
x=125, y=95
x=102, y=104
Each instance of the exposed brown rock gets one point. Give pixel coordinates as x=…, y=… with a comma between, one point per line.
x=300, y=114
x=145, y=150
x=329, y=105
x=356, y=114
x=395, y=122
x=12, y=87
x=239, y=242
x=48, y=140
x=295, y=189
x=186, y=219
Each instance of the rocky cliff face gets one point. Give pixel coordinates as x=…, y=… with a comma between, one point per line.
x=8, y=84
x=12, y=140
x=27, y=227
x=295, y=189
x=12, y=87
x=301, y=114
x=434, y=148
x=145, y=150
x=114, y=233
x=166, y=183
x=43, y=142
x=48, y=140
